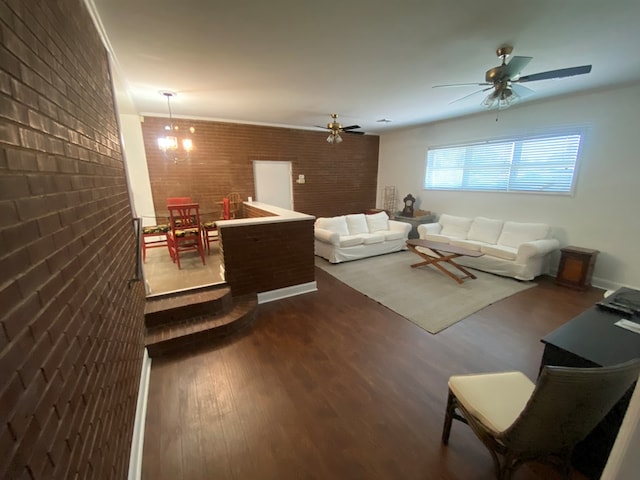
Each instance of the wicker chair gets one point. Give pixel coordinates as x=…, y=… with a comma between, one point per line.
x=521, y=421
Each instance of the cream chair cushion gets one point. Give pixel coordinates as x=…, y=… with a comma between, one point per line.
x=495, y=399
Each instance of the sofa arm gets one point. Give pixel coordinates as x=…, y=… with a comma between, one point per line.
x=536, y=248
x=396, y=226
x=429, y=229
x=326, y=236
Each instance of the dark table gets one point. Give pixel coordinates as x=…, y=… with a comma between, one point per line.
x=592, y=340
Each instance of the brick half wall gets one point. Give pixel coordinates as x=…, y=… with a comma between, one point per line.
x=268, y=256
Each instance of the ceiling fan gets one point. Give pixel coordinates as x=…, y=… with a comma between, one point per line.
x=505, y=80
x=335, y=129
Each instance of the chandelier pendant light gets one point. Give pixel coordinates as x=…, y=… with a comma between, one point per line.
x=169, y=144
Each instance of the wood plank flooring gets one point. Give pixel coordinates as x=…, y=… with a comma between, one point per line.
x=332, y=385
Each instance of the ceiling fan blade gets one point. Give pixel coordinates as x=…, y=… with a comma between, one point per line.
x=521, y=90
x=353, y=132
x=463, y=85
x=350, y=127
x=515, y=66
x=562, y=73
x=471, y=94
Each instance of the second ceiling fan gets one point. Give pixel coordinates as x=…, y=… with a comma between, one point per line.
x=335, y=129
x=505, y=80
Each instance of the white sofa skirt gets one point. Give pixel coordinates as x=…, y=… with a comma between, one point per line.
x=336, y=254
x=507, y=268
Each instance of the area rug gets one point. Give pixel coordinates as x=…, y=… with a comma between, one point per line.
x=423, y=295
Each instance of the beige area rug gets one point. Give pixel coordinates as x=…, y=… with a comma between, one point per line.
x=422, y=295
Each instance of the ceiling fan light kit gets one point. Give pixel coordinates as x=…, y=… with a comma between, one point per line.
x=505, y=80
x=335, y=129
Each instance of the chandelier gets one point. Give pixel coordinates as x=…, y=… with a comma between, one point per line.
x=169, y=144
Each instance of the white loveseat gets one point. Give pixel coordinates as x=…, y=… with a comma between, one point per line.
x=350, y=237
x=511, y=249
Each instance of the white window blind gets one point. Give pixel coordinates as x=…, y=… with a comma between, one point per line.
x=527, y=164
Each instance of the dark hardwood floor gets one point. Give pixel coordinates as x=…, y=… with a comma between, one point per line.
x=332, y=385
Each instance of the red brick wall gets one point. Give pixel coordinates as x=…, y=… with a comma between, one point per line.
x=339, y=178
x=70, y=329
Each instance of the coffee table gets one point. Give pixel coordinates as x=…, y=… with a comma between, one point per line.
x=443, y=253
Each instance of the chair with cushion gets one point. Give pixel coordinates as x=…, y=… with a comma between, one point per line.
x=521, y=421
x=154, y=236
x=186, y=231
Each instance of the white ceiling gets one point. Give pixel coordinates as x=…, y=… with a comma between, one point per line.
x=293, y=62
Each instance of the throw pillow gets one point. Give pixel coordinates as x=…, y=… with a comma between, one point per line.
x=378, y=221
x=357, y=224
x=485, y=230
x=334, y=224
x=514, y=233
x=454, y=226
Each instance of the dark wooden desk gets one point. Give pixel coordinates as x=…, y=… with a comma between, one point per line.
x=591, y=340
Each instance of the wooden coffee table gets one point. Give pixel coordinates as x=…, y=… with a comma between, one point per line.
x=443, y=253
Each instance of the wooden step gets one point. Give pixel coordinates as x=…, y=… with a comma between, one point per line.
x=179, y=306
x=178, y=336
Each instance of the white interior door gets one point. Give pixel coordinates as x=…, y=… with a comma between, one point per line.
x=273, y=183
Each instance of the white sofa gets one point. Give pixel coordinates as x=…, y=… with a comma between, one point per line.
x=350, y=237
x=511, y=249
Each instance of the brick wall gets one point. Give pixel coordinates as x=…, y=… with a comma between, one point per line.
x=339, y=178
x=70, y=329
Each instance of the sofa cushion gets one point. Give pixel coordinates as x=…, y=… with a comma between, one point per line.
x=377, y=221
x=454, y=226
x=500, y=251
x=334, y=224
x=485, y=230
x=436, y=237
x=357, y=223
x=350, y=240
x=468, y=244
x=392, y=235
x=369, y=238
x=514, y=233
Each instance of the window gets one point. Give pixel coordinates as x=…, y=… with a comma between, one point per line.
x=527, y=164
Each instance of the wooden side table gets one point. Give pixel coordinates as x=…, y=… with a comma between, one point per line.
x=576, y=267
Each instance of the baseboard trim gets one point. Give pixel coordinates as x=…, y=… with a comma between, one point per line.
x=137, y=440
x=279, y=294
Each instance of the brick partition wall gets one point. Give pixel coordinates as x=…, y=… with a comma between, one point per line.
x=267, y=256
x=339, y=178
x=70, y=330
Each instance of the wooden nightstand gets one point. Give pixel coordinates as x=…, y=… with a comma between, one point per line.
x=576, y=267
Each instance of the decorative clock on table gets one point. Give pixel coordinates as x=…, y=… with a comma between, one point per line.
x=409, y=201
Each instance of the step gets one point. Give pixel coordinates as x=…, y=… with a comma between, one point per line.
x=179, y=336
x=179, y=306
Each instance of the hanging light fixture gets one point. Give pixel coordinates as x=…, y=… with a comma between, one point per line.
x=334, y=128
x=502, y=97
x=334, y=137
x=169, y=144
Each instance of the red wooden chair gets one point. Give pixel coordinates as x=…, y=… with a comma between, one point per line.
x=154, y=236
x=186, y=231
x=178, y=200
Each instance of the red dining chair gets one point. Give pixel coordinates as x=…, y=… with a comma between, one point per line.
x=154, y=236
x=186, y=231
x=178, y=200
